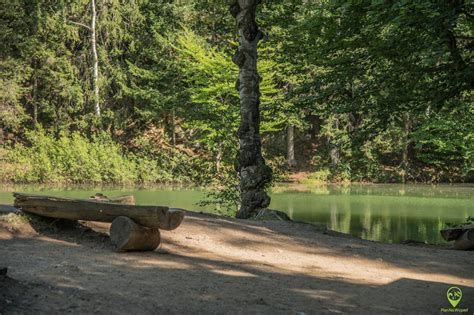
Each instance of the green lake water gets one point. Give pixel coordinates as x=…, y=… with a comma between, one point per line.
x=388, y=213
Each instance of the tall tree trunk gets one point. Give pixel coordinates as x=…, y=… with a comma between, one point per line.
x=254, y=174
x=290, y=145
x=35, y=94
x=406, y=142
x=96, y=61
x=173, y=128
x=335, y=153
x=218, y=158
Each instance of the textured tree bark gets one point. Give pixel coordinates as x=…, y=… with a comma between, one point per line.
x=96, y=61
x=126, y=235
x=124, y=200
x=255, y=175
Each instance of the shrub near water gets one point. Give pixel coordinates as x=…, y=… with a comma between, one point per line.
x=68, y=158
x=73, y=158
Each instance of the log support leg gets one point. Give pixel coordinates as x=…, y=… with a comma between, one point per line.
x=126, y=235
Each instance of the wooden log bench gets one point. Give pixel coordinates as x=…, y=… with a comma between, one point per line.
x=463, y=236
x=133, y=227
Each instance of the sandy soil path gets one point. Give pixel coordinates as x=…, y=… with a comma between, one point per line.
x=214, y=265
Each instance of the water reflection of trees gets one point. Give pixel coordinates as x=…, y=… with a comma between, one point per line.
x=464, y=191
x=388, y=219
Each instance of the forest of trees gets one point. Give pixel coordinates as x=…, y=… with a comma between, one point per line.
x=144, y=91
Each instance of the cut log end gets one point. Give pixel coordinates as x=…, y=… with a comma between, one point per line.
x=126, y=235
x=175, y=217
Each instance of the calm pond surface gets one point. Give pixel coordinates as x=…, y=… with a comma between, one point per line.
x=388, y=213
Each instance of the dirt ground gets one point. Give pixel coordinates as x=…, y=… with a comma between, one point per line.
x=215, y=265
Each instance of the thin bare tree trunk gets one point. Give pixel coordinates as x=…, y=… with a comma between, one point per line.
x=335, y=152
x=218, y=158
x=290, y=145
x=254, y=174
x=35, y=95
x=173, y=128
x=406, y=135
x=96, y=61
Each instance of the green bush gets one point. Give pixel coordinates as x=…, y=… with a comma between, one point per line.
x=320, y=177
x=74, y=158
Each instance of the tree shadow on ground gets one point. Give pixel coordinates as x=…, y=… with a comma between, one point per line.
x=93, y=281
x=66, y=230
x=68, y=272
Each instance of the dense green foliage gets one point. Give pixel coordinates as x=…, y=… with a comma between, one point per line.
x=73, y=158
x=377, y=90
x=390, y=86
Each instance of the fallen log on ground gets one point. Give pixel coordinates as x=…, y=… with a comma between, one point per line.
x=125, y=200
x=451, y=234
x=463, y=236
x=91, y=210
x=465, y=241
x=126, y=235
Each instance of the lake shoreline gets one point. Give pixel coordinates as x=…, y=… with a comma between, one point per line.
x=385, y=212
x=6, y=209
x=222, y=265
x=288, y=181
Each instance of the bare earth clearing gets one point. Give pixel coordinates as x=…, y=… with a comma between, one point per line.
x=218, y=265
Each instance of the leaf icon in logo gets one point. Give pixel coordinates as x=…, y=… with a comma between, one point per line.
x=454, y=295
